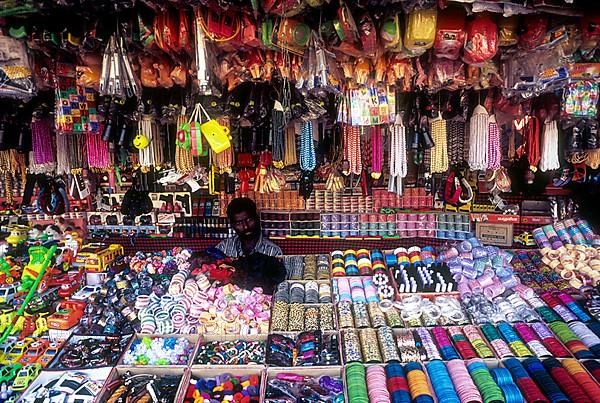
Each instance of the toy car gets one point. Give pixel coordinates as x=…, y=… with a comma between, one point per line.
x=34, y=351
x=85, y=293
x=526, y=238
x=8, y=292
x=26, y=376
x=17, y=351
x=7, y=346
x=8, y=372
x=67, y=315
x=49, y=354
x=67, y=289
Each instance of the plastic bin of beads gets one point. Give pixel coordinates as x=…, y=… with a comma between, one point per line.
x=231, y=350
x=168, y=381
x=95, y=378
x=247, y=381
x=80, y=352
x=330, y=379
x=160, y=350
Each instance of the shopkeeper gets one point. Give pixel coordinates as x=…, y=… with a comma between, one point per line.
x=256, y=265
x=248, y=238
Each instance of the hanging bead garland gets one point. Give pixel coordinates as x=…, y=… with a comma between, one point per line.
x=494, y=154
x=455, y=129
x=223, y=161
x=398, y=163
x=439, y=152
x=352, y=152
x=41, y=142
x=532, y=142
x=98, y=155
x=63, y=165
x=278, y=124
x=308, y=160
x=184, y=160
x=377, y=150
x=7, y=175
x=153, y=154
x=549, y=159
x=478, y=138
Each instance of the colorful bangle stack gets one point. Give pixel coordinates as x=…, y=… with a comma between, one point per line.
x=397, y=383
x=572, y=305
x=531, y=391
x=351, y=346
x=500, y=347
x=244, y=389
x=467, y=391
x=505, y=381
x=387, y=344
x=549, y=340
x=593, y=367
x=369, y=345
x=565, y=381
x=355, y=383
x=444, y=344
x=463, y=347
x=542, y=378
x=477, y=341
x=554, y=303
x=515, y=343
x=417, y=383
x=407, y=346
x=364, y=263
x=338, y=268
x=570, y=340
x=424, y=341
x=533, y=342
x=583, y=379
x=442, y=383
x=588, y=337
x=490, y=391
x=377, y=386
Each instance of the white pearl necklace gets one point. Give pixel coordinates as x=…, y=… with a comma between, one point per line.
x=478, y=138
x=398, y=163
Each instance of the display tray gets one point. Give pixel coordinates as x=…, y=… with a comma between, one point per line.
x=101, y=374
x=236, y=370
x=152, y=370
x=192, y=338
x=76, y=338
x=228, y=337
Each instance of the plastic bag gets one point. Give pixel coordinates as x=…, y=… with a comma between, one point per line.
x=482, y=40
x=391, y=34
x=535, y=30
x=450, y=36
x=367, y=35
x=16, y=79
x=420, y=31
x=590, y=31
x=581, y=99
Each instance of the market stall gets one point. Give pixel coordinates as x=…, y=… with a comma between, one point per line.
x=426, y=174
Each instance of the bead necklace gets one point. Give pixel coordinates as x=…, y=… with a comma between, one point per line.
x=223, y=161
x=184, y=159
x=532, y=139
x=41, y=141
x=5, y=170
x=478, y=138
x=308, y=160
x=277, y=132
x=439, y=152
x=98, y=156
x=377, y=149
x=398, y=163
x=549, y=159
x=63, y=166
x=455, y=129
x=290, y=146
x=494, y=154
x=352, y=149
x=151, y=155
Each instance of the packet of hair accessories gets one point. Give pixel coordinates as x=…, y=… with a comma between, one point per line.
x=482, y=40
x=581, y=98
x=447, y=74
x=450, y=36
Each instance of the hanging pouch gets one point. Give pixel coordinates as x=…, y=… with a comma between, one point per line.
x=196, y=133
x=216, y=135
x=183, y=139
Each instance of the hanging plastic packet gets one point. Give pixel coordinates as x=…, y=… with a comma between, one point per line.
x=420, y=31
x=581, y=99
x=507, y=31
x=590, y=32
x=16, y=79
x=367, y=34
x=535, y=28
x=450, y=36
x=216, y=135
x=391, y=34
x=482, y=40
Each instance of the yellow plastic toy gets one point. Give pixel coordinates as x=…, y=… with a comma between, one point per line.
x=41, y=325
x=18, y=235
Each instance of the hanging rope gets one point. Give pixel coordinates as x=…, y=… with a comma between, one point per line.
x=549, y=159
x=439, y=152
x=478, y=139
x=493, y=152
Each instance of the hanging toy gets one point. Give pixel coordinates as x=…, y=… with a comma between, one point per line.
x=140, y=141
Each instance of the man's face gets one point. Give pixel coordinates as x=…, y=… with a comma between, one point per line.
x=245, y=225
